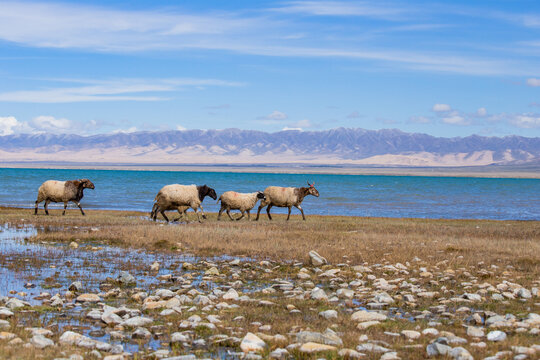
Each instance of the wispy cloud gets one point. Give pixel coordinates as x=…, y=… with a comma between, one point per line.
x=265, y=32
x=110, y=90
x=340, y=8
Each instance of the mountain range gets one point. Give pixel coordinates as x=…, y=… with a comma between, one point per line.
x=234, y=146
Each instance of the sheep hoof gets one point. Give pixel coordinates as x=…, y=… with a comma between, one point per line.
x=204, y=217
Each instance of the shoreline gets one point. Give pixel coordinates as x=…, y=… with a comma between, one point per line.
x=518, y=172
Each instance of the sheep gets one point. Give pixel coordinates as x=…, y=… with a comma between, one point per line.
x=62, y=191
x=231, y=200
x=176, y=196
x=286, y=197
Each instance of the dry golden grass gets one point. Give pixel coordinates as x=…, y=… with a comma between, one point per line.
x=340, y=239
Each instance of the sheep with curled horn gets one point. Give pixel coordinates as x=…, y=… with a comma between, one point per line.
x=62, y=191
x=286, y=197
x=232, y=200
x=176, y=197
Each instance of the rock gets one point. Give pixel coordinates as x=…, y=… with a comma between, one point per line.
x=460, y=353
x=363, y=315
x=350, y=354
x=73, y=245
x=524, y=293
x=329, y=337
x=366, y=324
x=141, y=333
x=533, y=319
x=345, y=293
x=212, y=271
x=279, y=353
x=179, y=338
x=40, y=341
x=430, y=331
x=372, y=348
x=165, y=294
x=329, y=314
x=231, y=294
x=154, y=266
x=411, y=334
x=318, y=294
x=316, y=259
x=311, y=347
x=126, y=278
x=5, y=336
x=252, y=342
x=436, y=349
x=5, y=313
x=88, y=298
x=137, y=321
x=472, y=297
x=111, y=318
x=14, y=303
x=496, y=336
x=473, y=331
x=383, y=298
x=392, y=355
x=75, y=286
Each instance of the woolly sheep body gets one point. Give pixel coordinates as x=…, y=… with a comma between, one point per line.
x=180, y=197
x=171, y=197
x=62, y=191
x=286, y=197
x=281, y=196
x=232, y=200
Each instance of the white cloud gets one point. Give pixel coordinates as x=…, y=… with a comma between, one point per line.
x=107, y=29
x=481, y=112
x=274, y=116
x=533, y=82
x=526, y=121
x=51, y=124
x=125, y=131
x=8, y=125
x=286, y=128
x=180, y=128
x=455, y=120
x=441, y=107
x=301, y=124
x=340, y=8
x=110, y=90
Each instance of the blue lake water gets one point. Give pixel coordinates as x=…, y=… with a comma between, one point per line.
x=358, y=195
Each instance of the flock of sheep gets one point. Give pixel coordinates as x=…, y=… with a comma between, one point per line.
x=182, y=197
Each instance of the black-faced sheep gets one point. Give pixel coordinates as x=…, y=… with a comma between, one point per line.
x=62, y=191
x=286, y=197
x=175, y=196
x=231, y=200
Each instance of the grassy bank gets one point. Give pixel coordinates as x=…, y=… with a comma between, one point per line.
x=353, y=240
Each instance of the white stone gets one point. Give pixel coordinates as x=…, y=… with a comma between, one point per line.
x=363, y=315
x=496, y=336
x=252, y=342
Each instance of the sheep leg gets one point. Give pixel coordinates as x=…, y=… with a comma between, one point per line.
x=80, y=207
x=153, y=213
x=268, y=211
x=302, y=211
x=65, y=207
x=249, y=217
x=46, y=206
x=35, y=210
x=289, y=214
x=259, y=212
x=202, y=211
x=220, y=212
x=229, y=213
x=242, y=211
x=164, y=216
x=182, y=214
x=198, y=214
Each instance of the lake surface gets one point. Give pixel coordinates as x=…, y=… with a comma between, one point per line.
x=358, y=195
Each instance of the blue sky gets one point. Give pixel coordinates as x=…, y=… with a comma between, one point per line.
x=448, y=69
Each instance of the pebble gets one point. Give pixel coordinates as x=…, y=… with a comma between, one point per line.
x=496, y=336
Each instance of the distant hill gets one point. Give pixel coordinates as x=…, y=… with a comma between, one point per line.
x=234, y=146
